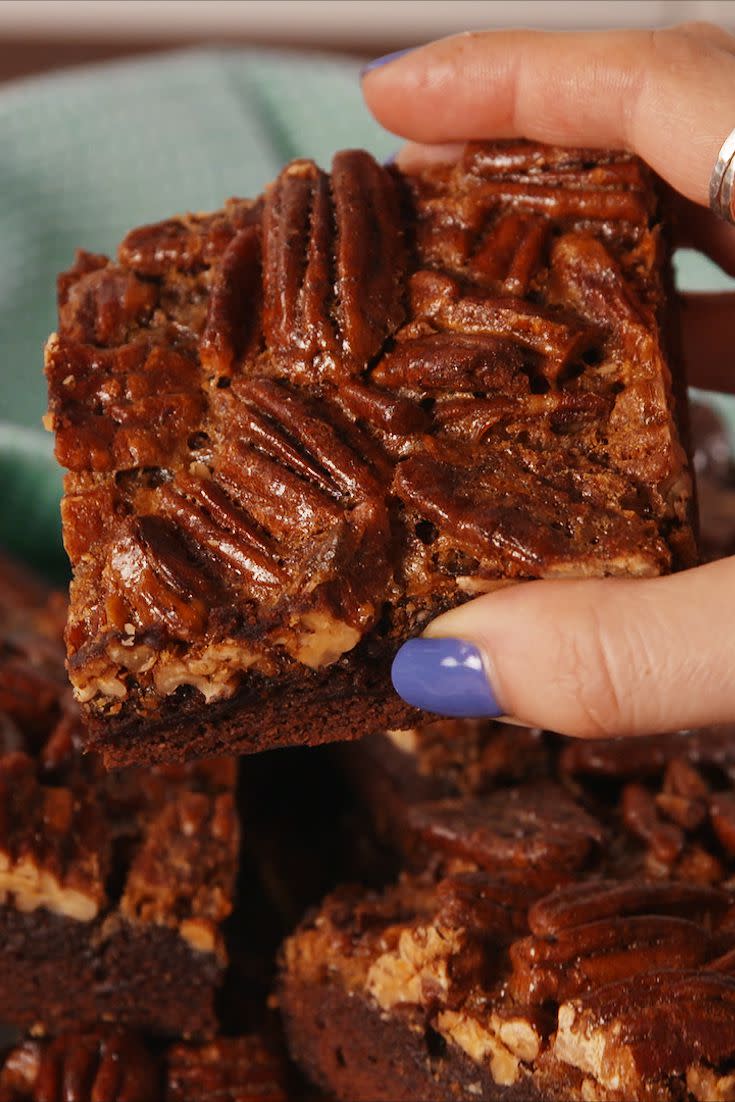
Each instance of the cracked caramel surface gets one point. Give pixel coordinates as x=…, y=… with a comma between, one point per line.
x=305, y=424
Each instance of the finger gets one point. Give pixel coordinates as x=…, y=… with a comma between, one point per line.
x=588, y=658
x=708, y=340
x=414, y=156
x=668, y=95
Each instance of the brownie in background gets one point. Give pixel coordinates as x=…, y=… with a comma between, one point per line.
x=569, y=935
x=114, y=888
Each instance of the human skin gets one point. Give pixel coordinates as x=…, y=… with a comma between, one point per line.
x=604, y=657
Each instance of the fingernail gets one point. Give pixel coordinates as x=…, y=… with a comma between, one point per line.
x=446, y=676
x=390, y=160
x=386, y=59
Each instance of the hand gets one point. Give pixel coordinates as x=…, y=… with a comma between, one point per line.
x=614, y=656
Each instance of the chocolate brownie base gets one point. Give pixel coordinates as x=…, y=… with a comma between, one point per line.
x=348, y=699
x=57, y=974
x=357, y=1055
x=299, y=428
x=114, y=1066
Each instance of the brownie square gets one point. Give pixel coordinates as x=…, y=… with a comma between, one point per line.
x=564, y=948
x=114, y=888
x=300, y=427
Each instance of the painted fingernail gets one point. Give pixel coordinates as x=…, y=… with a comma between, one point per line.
x=378, y=62
x=446, y=676
x=390, y=160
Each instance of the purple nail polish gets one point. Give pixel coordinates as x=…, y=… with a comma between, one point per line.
x=445, y=676
x=390, y=160
x=386, y=59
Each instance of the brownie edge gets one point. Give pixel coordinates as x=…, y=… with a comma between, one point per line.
x=349, y=699
x=335, y=1040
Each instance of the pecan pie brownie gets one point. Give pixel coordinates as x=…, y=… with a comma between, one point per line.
x=575, y=947
x=114, y=887
x=300, y=427
x=115, y=1066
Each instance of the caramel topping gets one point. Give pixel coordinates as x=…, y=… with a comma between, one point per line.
x=355, y=401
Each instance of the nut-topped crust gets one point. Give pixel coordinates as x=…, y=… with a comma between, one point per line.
x=298, y=428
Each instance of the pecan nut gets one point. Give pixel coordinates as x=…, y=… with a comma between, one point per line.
x=583, y=958
x=534, y=833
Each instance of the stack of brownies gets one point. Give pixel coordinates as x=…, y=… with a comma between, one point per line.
x=296, y=430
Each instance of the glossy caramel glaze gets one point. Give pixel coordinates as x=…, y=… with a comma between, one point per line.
x=330, y=413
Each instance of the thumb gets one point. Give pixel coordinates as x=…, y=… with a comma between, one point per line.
x=591, y=658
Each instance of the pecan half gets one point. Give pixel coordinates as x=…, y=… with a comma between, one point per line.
x=486, y=908
x=641, y=817
x=333, y=260
x=468, y=499
x=104, y=1066
x=185, y=244
x=622, y=758
x=534, y=834
x=232, y=317
x=132, y=406
x=683, y=798
x=578, y=904
x=555, y=339
x=584, y=957
x=105, y=305
x=454, y=362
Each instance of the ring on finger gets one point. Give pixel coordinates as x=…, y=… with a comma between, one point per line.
x=722, y=181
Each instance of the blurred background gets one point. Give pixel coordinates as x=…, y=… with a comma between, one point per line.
x=36, y=35
x=114, y=113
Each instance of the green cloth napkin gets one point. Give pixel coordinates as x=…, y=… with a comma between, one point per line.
x=88, y=153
